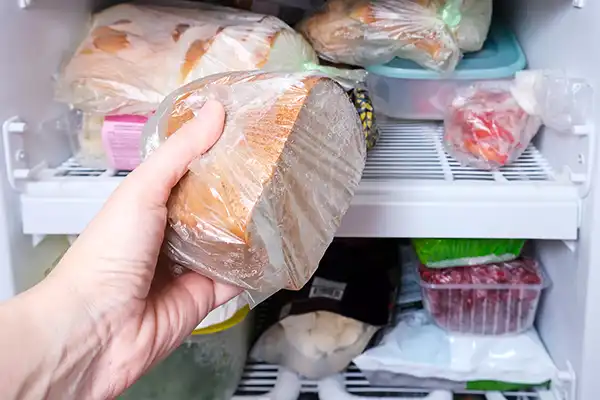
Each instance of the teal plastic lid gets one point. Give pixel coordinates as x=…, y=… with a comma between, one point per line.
x=500, y=57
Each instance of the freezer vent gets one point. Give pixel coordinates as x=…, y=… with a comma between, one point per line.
x=414, y=150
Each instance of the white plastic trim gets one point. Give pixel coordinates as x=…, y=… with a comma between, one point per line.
x=10, y=127
x=410, y=188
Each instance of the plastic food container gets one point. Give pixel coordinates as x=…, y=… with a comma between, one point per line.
x=403, y=89
x=444, y=253
x=209, y=365
x=493, y=299
x=106, y=141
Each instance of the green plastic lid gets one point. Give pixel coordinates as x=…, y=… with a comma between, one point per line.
x=500, y=57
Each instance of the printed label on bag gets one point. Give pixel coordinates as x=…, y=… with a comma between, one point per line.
x=327, y=289
x=121, y=137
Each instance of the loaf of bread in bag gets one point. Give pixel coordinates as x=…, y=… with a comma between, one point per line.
x=261, y=207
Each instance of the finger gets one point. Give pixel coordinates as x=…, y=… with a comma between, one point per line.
x=165, y=167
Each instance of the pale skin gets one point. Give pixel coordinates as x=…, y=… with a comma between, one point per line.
x=106, y=314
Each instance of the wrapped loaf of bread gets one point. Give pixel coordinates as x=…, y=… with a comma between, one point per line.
x=134, y=56
x=367, y=32
x=261, y=207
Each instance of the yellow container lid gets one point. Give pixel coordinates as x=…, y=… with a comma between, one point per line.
x=224, y=317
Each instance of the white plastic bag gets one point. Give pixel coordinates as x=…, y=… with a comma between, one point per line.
x=417, y=347
x=315, y=345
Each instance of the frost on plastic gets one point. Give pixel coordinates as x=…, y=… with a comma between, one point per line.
x=490, y=124
x=429, y=32
x=135, y=55
x=261, y=207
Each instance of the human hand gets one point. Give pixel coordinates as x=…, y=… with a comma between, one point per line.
x=119, y=318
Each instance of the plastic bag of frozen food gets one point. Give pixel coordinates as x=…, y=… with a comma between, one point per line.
x=367, y=32
x=260, y=208
x=475, y=19
x=135, y=55
x=318, y=330
x=490, y=124
x=416, y=347
x=444, y=253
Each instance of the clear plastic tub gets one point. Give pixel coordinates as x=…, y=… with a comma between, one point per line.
x=492, y=299
x=209, y=365
x=403, y=89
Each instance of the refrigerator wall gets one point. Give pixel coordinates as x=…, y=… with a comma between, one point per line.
x=554, y=35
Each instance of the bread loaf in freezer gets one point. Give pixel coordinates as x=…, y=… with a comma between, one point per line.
x=368, y=32
x=261, y=207
x=135, y=55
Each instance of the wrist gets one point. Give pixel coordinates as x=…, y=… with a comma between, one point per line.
x=50, y=341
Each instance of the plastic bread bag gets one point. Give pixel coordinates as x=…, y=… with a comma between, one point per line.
x=317, y=331
x=416, y=347
x=445, y=253
x=135, y=55
x=367, y=32
x=490, y=124
x=260, y=208
x=472, y=29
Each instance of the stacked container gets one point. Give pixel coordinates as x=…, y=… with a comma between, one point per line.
x=209, y=365
x=479, y=286
x=403, y=89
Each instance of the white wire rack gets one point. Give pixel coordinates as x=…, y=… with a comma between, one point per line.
x=409, y=151
x=267, y=382
x=411, y=188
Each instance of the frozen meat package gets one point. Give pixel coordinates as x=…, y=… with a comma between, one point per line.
x=490, y=124
x=316, y=332
x=260, y=208
x=135, y=55
x=416, y=347
x=431, y=33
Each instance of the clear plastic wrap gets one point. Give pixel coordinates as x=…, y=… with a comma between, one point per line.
x=260, y=208
x=475, y=19
x=418, y=348
x=486, y=127
x=315, y=345
x=444, y=253
x=367, y=32
x=135, y=55
x=490, y=124
x=492, y=299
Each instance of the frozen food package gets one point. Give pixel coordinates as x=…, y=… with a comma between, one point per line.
x=416, y=347
x=445, y=253
x=260, y=208
x=490, y=124
x=368, y=32
x=472, y=29
x=317, y=331
x=486, y=127
x=135, y=55
x=492, y=299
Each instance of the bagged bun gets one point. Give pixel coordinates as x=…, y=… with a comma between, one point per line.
x=134, y=55
x=260, y=208
x=367, y=32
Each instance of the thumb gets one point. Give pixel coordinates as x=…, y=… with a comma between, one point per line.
x=165, y=167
